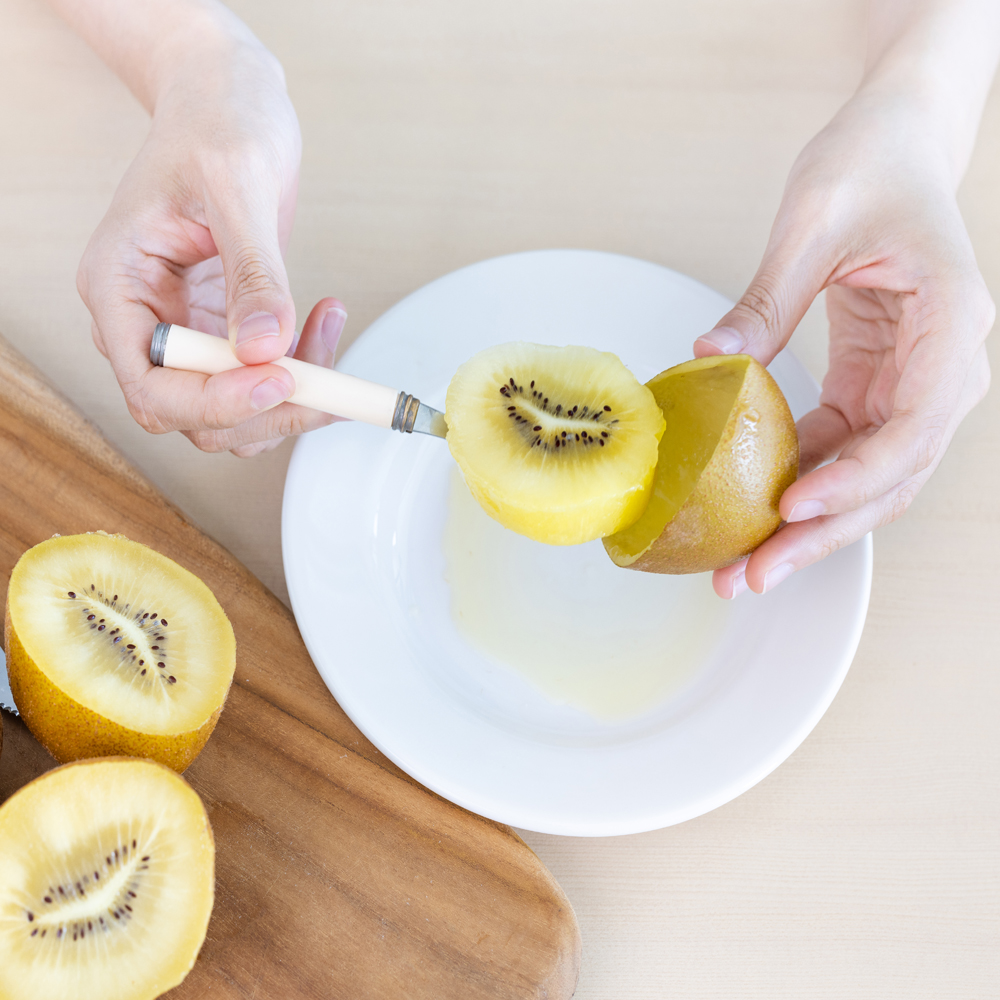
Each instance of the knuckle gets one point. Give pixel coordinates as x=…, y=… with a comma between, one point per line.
x=248, y=275
x=215, y=415
x=984, y=377
x=208, y=441
x=900, y=500
x=142, y=413
x=928, y=446
x=835, y=536
x=761, y=305
x=986, y=311
x=291, y=420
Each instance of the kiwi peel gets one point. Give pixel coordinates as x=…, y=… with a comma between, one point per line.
x=71, y=731
x=729, y=452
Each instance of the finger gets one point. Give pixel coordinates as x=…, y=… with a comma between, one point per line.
x=321, y=333
x=251, y=450
x=823, y=433
x=95, y=333
x=796, y=546
x=730, y=581
x=171, y=400
x=931, y=400
x=282, y=421
x=260, y=314
x=760, y=324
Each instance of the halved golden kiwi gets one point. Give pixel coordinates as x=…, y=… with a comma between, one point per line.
x=556, y=443
x=112, y=648
x=106, y=882
x=729, y=451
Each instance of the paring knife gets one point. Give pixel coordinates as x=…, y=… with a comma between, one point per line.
x=316, y=387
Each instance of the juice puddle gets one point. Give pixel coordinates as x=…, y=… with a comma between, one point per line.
x=608, y=641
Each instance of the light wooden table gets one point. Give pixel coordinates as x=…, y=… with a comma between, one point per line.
x=441, y=132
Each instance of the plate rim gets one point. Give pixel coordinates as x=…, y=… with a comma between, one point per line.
x=599, y=826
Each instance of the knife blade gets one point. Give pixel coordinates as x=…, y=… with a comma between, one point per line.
x=6, y=698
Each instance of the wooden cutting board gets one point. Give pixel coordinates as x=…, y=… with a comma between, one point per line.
x=337, y=875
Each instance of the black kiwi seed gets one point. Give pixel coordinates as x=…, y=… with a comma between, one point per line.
x=537, y=436
x=71, y=594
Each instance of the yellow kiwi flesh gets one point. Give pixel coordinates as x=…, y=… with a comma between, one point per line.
x=106, y=882
x=112, y=648
x=556, y=443
x=729, y=452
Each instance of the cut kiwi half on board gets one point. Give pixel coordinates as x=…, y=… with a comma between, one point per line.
x=556, y=443
x=106, y=882
x=114, y=649
x=729, y=452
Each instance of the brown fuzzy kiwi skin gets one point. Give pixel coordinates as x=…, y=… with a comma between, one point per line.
x=734, y=506
x=71, y=731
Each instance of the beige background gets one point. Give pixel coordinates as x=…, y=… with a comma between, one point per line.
x=440, y=132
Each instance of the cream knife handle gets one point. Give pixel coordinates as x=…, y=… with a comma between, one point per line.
x=316, y=387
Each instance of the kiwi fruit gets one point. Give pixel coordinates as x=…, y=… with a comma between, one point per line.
x=114, y=649
x=729, y=452
x=106, y=882
x=556, y=443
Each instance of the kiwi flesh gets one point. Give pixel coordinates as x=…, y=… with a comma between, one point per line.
x=106, y=882
x=556, y=443
x=114, y=649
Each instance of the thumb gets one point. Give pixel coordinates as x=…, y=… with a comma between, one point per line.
x=260, y=314
x=767, y=314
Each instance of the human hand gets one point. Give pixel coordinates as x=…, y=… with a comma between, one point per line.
x=195, y=236
x=869, y=213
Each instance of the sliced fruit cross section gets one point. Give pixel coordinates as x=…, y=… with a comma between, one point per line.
x=556, y=443
x=115, y=649
x=106, y=882
x=729, y=451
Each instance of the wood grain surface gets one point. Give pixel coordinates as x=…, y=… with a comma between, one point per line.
x=337, y=875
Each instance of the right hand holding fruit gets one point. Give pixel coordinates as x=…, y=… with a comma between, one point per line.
x=869, y=213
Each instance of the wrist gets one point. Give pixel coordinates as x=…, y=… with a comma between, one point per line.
x=934, y=67
x=211, y=51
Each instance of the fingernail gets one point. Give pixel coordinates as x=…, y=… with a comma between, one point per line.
x=269, y=393
x=775, y=576
x=258, y=325
x=806, y=509
x=739, y=585
x=330, y=330
x=724, y=338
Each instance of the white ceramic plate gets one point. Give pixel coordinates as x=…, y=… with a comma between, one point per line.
x=541, y=686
